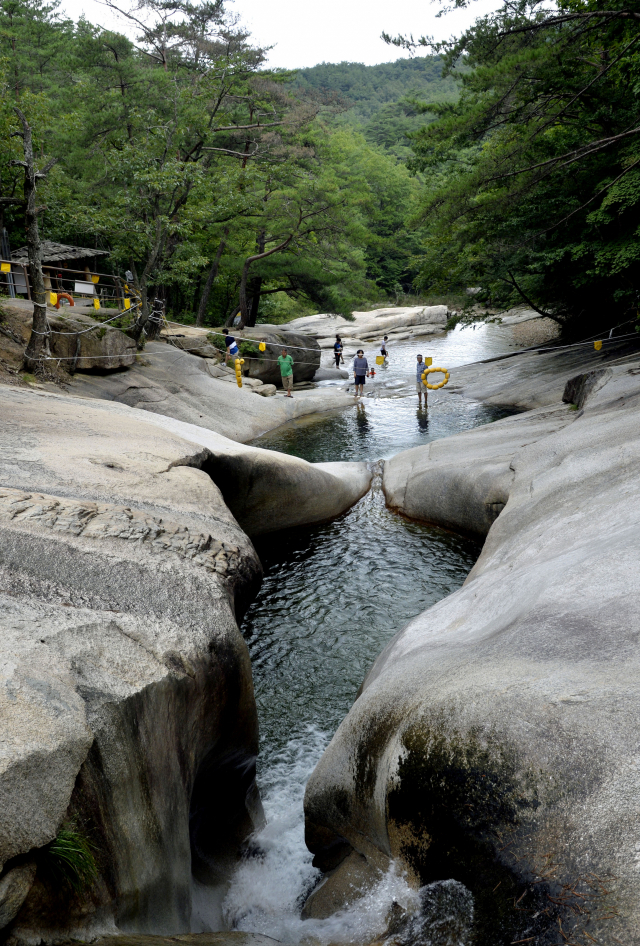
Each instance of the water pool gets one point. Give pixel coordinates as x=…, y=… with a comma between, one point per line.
x=333, y=596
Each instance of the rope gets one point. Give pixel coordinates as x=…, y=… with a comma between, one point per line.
x=257, y=341
x=522, y=351
x=91, y=328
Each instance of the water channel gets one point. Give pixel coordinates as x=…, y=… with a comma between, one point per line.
x=333, y=596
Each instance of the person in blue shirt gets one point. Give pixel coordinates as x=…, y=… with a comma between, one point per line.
x=360, y=370
x=232, y=348
x=337, y=351
x=420, y=388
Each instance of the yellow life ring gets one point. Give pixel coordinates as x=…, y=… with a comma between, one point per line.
x=434, y=387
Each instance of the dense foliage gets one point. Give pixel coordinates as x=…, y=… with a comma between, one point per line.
x=223, y=186
x=532, y=177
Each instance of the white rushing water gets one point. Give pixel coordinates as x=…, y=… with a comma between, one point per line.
x=269, y=888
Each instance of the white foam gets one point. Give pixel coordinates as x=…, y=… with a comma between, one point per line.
x=268, y=890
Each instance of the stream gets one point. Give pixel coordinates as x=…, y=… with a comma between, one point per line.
x=333, y=596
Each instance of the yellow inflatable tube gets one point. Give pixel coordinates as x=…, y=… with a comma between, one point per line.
x=434, y=387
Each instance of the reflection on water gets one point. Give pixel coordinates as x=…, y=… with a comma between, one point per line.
x=333, y=596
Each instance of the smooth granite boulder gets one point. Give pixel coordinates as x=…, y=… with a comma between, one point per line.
x=15, y=884
x=125, y=686
x=304, y=350
x=463, y=482
x=409, y=321
x=495, y=739
x=84, y=346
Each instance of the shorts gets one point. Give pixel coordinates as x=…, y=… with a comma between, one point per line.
x=359, y=379
x=234, y=351
x=287, y=382
x=420, y=388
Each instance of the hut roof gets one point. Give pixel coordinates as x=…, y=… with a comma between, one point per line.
x=57, y=252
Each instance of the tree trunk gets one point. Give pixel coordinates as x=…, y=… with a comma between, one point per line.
x=143, y=285
x=213, y=272
x=256, y=286
x=242, y=300
x=38, y=346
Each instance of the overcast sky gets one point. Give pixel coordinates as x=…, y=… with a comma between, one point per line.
x=306, y=32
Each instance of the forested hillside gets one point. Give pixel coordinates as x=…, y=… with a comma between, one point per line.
x=227, y=187
x=366, y=89
x=220, y=185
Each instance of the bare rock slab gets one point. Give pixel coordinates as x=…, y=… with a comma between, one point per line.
x=494, y=742
x=125, y=692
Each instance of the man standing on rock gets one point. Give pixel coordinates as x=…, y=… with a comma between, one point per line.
x=360, y=370
x=286, y=370
x=420, y=388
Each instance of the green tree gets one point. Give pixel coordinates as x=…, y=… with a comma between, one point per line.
x=532, y=176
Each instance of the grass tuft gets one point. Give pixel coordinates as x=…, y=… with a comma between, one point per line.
x=69, y=859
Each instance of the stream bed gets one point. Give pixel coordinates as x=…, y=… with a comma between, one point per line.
x=333, y=596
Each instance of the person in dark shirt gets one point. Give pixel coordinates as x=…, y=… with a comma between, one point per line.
x=232, y=348
x=360, y=370
x=337, y=351
x=420, y=388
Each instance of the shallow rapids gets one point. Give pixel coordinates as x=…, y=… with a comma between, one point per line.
x=333, y=596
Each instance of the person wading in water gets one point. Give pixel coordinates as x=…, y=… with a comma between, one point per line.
x=360, y=370
x=420, y=388
x=337, y=351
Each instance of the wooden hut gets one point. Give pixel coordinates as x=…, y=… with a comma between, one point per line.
x=68, y=269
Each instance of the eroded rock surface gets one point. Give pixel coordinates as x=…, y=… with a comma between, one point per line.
x=83, y=347
x=495, y=739
x=125, y=686
x=537, y=378
x=463, y=482
x=304, y=350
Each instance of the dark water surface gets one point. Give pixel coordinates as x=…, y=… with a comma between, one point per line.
x=333, y=596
